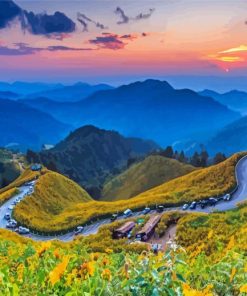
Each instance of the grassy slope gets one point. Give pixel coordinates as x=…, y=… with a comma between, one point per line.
x=53, y=195
x=146, y=174
x=214, y=180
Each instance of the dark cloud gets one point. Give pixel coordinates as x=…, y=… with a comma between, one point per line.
x=84, y=20
x=20, y=49
x=52, y=26
x=44, y=24
x=126, y=19
x=66, y=48
x=142, y=16
x=112, y=41
x=8, y=11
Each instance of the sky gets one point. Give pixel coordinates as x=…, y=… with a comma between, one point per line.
x=119, y=41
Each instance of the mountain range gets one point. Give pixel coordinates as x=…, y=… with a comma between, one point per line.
x=28, y=127
x=72, y=93
x=151, y=109
x=235, y=99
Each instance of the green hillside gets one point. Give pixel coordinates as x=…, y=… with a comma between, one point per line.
x=152, y=171
x=53, y=195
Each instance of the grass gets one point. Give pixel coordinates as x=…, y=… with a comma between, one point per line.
x=152, y=171
x=49, y=215
x=6, y=195
x=26, y=176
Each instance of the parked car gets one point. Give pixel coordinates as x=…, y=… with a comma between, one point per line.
x=127, y=213
x=11, y=224
x=146, y=211
x=212, y=201
x=7, y=216
x=114, y=217
x=160, y=209
x=204, y=203
x=193, y=205
x=11, y=207
x=23, y=230
x=185, y=207
x=227, y=197
x=78, y=230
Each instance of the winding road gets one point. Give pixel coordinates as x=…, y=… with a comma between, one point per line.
x=239, y=195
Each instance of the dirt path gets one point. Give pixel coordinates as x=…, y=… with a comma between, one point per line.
x=169, y=235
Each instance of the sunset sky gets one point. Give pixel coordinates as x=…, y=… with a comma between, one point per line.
x=116, y=41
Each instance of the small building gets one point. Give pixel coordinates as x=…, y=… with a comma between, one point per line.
x=123, y=231
x=36, y=167
x=148, y=229
x=46, y=147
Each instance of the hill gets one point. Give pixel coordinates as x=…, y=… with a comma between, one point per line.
x=89, y=155
x=148, y=173
x=27, y=126
x=9, y=95
x=53, y=195
x=230, y=139
x=9, y=168
x=202, y=183
x=153, y=109
x=235, y=99
x=70, y=93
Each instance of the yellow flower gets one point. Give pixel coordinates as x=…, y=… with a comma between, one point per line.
x=58, y=271
x=231, y=243
x=56, y=254
x=188, y=291
x=87, y=269
x=210, y=234
x=94, y=256
x=108, y=250
x=234, y=270
x=44, y=247
x=106, y=274
x=243, y=289
x=105, y=261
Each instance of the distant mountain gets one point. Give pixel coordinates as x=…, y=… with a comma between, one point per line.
x=146, y=174
x=9, y=168
x=236, y=100
x=230, y=139
x=151, y=110
x=9, y=95
x=89, y=155
x=24, y=88
x=28, y=127
x=71, y=93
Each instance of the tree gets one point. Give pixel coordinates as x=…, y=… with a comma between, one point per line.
x=204, y=158
x=168, y=152
x=32, y=156
x=195, y=160
x=219, y=157
x=182, y=157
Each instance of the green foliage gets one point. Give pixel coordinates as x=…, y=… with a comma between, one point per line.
x=148, y=173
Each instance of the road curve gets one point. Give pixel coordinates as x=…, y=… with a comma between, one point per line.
x=239, y=195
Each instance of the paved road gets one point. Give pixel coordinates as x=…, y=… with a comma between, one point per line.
x=238, y=196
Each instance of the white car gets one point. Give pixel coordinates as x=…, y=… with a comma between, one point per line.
x=227, y=197
x=23, y=230
x=11, y=207
x=78, y=230
x=11, y=224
